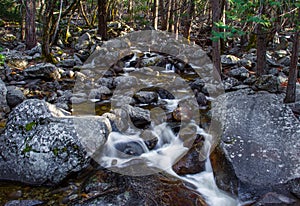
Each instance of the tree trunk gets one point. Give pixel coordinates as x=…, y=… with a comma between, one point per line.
x=177, y=17
x=216, y=47
x=155, y=14
x=82, y=10
x=165, y=23
x=102, y=19
x=291, y=87
x=261, y=50
x=162, y=13
x=189, y=19
x=47, y=21
x=261, y=46
x=171, y=16
x=130, y=10
x=30, y=34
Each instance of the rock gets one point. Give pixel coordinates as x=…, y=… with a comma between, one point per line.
x=42, y=146
x=268, y=83
x=229, y=60
x=259, y=148
x=198, y=84
x=43, y=70
x=138, y=116
x=201, y=99
x=149, y=138
x=245, y=63
x=24, y=203
x=67, y=63
x=240, y=73
x=84, y=37
x=107, y=82
x=145, y=97
x=125, y=82
x=14, y=96
x=15, y=59
x=229, y=83
x=274, y=199
x=285, y=61
x=35, y=50
x=194, y=160
x=3, y=103
x=155, y=189
x=101, y=93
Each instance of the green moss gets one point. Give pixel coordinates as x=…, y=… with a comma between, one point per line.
x=28, y=127
x=28, y=148
x=55, y=151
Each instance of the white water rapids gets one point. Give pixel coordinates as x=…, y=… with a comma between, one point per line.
x=168, y=149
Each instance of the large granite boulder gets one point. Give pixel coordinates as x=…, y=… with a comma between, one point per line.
x=41, y=144
x=259, y=149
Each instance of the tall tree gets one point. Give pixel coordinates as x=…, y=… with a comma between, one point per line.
x=30, y=29
x=189, y=19
x=155, y=14
x=217, y=8
x=261, y=44
x=102, y=19
x=291, y=87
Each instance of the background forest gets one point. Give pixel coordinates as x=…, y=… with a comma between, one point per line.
x=216, y=25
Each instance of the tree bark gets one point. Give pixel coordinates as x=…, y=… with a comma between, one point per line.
x=291, y=87
x=30, y=29
x=155, y=14
x=261, y=46
x=216, y=46
x=189, y=19
x=102, y=19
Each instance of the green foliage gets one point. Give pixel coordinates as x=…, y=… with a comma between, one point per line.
x=243, y=16
x=2, y=57
x=10, y=10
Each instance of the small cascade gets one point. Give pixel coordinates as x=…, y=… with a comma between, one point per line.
x=122, y=150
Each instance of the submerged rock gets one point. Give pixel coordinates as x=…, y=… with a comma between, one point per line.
x=43, y=145
x=259, y=149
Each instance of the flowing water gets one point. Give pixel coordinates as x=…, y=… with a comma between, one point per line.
x=167, y=151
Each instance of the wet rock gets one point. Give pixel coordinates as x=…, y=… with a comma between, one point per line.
x=229, y=60
x=268, y=83
x=43, y=70
x=131, y=148
x=145, y=97
x=41, y=145
x=259, y=145
x=194, y=160
x=201, y=99
x=150, y=139
x=109, y=188
x=240, y=73
x=14, y=96
x=274, y=199
x=139, y=117
x=24, y=203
